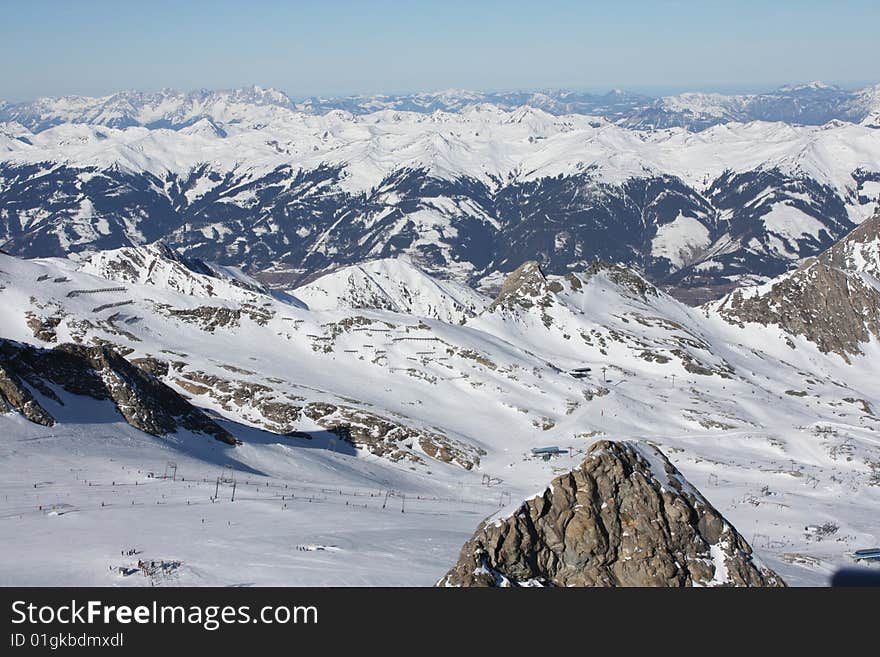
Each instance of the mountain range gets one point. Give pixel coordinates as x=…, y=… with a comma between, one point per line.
x=814, y=103
x=700, y=192
x=260, y=340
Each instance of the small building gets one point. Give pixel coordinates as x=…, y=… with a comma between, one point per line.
x=870, y=554
x=580, y=372
x=546, y=452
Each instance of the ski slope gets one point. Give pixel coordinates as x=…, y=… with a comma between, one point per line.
x=782, y=440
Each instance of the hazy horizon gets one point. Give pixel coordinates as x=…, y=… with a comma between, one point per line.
x=341, y=48
x=668, y=90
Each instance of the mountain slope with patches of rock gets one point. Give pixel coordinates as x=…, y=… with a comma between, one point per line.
x=393, y=284
x=160, y=265
x=607, y=311
x=624, y=517
x=777, y=439
x=832, y=300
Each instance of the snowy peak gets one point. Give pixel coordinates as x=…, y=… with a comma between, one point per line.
x=628, y=283
x=204, y=127
x=160, y=265
x=162, y=109
x=814, y=103
x=607, y=311
x=525, y=288
x=528, y=288
x=812, y=86
x=393, y=284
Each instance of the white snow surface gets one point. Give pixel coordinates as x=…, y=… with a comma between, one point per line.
x=680, y=240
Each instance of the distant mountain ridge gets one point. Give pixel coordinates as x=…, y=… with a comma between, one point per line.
x=814, y=103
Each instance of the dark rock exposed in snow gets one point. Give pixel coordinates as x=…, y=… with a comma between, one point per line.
x=98, y=372
x=392, y=440
x=832, y=300
x=624, y=517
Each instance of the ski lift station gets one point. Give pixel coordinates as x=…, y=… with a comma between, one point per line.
x=580, y=372
x=546, y=452
x=870, y=554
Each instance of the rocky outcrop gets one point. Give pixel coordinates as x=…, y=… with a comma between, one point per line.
x=528, y=289
x=283, y=413
x=15, y=396
x=99, y=372
x=43, y=328
x=624, y=517
x=525, y=287
x=389, y=439
x=209, y=318
x=150, y=365
x=270, y=409
x=833, y=300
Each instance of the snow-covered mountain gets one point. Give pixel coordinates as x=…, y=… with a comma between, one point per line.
x=833, y=300
x=343, y=417
x=614, y=105
x=814, y=103
x=163, y=109
x=158, y=264
x=396, y=285
x=244, y=179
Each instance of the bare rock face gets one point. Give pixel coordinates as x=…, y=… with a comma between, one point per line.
x=43, y=327
x=525, y=287
x=392, y=440
x=275, y=412
x=99, y=372
x=832, y=300
x=209, y=318
x=624, y=517
x=15, y=396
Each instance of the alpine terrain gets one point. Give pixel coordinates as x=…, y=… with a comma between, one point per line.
x=700, y=192
x=356, y=429
x=469, y=339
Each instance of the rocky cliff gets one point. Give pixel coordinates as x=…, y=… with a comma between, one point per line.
x=832, y=300
x=101, y=373
x=624, y=517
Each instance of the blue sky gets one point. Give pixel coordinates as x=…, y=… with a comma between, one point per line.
x=339, y=47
